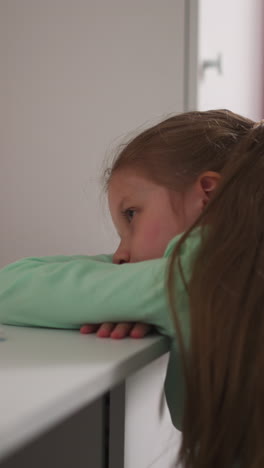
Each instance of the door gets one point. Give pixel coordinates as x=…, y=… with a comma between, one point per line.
x=230, y=56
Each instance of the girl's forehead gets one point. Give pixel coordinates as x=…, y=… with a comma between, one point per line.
x=128, y=187
x=127, y=180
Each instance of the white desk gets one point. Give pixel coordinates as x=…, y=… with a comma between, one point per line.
x=48, y=376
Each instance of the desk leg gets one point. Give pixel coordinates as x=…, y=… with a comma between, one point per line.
x=116, y=427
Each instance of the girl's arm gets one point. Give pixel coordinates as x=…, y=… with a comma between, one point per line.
x=66, y=292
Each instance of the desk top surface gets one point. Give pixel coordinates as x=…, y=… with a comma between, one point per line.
x=47, y=374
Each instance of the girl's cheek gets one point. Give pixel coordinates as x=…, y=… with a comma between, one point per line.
x=159, y=235
x=155, y=233
x=153, y=242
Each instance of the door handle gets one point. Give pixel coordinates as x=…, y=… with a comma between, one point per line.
x=213, y=63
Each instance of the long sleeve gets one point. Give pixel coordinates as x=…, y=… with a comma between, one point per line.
x=66, y=292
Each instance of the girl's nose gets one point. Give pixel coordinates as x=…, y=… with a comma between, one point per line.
x=121, y=256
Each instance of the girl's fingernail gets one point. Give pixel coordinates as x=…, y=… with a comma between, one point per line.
x=136, y=335
x=84, y=330
x=103, y=334
x=117, y=336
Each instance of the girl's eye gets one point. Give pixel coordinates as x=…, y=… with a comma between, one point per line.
x=129, y=214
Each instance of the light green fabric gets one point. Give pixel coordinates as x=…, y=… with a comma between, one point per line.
x=67, y=292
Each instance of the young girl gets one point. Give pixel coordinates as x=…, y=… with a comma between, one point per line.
x=187, y=199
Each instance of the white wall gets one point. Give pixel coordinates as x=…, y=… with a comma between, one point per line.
x=76, y=76
x=234, y=28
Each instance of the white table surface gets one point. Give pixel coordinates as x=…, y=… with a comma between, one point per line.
x=46, y=375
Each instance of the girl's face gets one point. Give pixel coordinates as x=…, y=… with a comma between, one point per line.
x=147, y=216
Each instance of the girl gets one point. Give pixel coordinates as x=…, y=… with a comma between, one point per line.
x=187, y=199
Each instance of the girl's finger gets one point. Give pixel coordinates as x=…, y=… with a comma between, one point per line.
x=105, y=330
x=140, y=330
x=89, y=328
x=117, y=331
x=121, y=330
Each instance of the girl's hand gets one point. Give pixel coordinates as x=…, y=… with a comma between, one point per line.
x=118, y=331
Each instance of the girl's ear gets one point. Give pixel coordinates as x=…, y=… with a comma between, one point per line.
x=208, y=181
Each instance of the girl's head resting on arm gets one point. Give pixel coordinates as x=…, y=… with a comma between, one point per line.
x=162, y=180
x=147, y=215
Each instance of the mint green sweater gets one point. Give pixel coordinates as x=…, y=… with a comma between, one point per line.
x=67, y=292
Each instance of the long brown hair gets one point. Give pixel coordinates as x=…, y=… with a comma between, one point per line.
x=224, y=361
